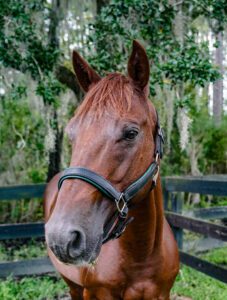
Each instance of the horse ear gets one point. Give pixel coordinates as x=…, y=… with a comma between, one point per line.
x=138, y=65
x=85, y=74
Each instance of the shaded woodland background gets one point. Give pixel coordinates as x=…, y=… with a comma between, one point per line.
x=186, y=44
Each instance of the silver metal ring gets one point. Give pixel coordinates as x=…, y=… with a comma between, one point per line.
x=121, y=206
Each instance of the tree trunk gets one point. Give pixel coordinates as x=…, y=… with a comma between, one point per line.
x=54, y=21
x=193, y=156
x=218, y=84
x=55, y=154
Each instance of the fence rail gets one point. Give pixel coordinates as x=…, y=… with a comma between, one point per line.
x=18, y=192
x=23, y=230
x=206, y=228
x=207, y=185
x=218, y=212
x=173, y=187
x=204, y=266
x=37, y=266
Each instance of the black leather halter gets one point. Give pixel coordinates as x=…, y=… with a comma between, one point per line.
x=119, y=220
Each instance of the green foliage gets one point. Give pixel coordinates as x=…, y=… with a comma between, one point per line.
x=214, y=10
x=189, y=64
x=22, y=133
x=17, y=92
x=215, y=145
x=25, y=45
x=22, y=47
x=25, y=210
x=49, y=88
x=3, y=253
x=214, y=140
x=175, y=162
x=28, y=45
x=151, y=22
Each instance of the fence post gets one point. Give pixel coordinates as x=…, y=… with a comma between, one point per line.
x=166, y=200
x=176, y=206
x=165, y=197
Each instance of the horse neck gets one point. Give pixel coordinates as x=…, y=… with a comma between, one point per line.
x=143, y=237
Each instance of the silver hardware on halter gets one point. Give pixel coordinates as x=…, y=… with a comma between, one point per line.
x=160, y=133
x=118, y=234
x=157, y=157
x=121, y=205
x=156, y=174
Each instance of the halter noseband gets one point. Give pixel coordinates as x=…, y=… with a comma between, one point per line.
x=119, y=220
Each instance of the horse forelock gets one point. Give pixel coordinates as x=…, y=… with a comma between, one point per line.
x=114, y=92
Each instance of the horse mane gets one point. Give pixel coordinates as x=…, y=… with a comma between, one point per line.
x=112, y=92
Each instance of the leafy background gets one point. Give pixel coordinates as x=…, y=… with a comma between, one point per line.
x=186, y=45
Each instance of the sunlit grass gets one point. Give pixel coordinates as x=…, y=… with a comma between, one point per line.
x=217, y=256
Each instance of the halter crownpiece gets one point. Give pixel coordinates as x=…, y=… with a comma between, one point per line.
x=118, y=222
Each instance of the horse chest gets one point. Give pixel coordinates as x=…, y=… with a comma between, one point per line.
x=143, y=290
x=113, y=282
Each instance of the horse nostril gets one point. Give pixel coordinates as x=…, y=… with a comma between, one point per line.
x=77, y=244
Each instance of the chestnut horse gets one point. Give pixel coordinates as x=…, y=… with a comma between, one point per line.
x=112, y=181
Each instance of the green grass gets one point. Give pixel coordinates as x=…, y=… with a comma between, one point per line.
x=33, y=288
x=217, y=256
x=189, y=282
x=198, y=286
x=20, y=251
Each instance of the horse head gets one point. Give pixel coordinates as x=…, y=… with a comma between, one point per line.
x=112, y=134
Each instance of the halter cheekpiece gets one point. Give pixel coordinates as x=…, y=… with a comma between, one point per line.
x=119, y=220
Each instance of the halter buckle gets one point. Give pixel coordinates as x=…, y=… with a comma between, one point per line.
x=122, y=206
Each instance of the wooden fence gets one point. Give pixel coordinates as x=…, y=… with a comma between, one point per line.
x=27, y=267
x=173, y=187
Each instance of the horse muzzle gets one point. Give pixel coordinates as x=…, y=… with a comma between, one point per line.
x=71, y=245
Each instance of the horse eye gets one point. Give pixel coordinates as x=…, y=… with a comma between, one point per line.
x=130, y=134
